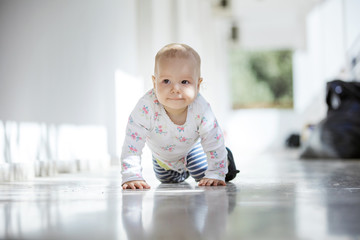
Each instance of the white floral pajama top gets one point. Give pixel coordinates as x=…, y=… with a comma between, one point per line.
x=170, y=143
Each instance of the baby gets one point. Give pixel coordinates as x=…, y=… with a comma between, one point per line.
x=178, y=126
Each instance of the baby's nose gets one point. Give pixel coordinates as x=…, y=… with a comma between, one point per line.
x=176, y=87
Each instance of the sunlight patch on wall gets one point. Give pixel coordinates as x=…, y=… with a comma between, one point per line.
x=128, y=90
x=32, y=149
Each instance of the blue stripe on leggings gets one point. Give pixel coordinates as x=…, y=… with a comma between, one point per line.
x=168, y=176
x=196, y=152
x=201, y=170
x=197, y=162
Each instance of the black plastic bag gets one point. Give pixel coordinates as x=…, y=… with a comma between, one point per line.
x=293, y=141
x=338, y=135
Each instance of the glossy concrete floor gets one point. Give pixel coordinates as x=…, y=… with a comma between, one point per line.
x=276, y=196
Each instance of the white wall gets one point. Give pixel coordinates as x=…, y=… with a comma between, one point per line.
x=323, y=58
x=332, y=32
x=58, y=60
x=352, y=35
x=351, y=18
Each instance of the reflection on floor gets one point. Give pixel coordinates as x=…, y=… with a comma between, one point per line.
x=276, y=196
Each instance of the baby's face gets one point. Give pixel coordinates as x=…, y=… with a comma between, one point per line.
x=176, y=82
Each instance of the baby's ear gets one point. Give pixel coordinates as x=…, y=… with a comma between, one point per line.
x=153, y=80
x=199, y=82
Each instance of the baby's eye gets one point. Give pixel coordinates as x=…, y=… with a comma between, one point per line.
x=185, y=82
x=166, y=81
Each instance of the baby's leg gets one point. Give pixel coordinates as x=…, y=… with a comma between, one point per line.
x=168, y=176
x=197, y=162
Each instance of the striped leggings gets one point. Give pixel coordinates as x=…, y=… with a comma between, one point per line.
x=196, y=165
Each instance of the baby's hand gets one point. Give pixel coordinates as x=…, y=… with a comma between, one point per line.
x=211, y=182
x=138, y=184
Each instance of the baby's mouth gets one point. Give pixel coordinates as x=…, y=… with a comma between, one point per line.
x=175, y=99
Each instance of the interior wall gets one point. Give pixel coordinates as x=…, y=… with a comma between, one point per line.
x=351, y=18
x=332, y=32
x=352, y=37
x=324, y=57
x=58, y=60
x=331, y=28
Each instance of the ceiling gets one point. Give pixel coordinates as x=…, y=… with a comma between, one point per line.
x=269, y=23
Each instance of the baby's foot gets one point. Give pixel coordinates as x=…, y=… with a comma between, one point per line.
x=232, y=171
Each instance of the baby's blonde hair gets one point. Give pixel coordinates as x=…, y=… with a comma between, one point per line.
x=180, y=50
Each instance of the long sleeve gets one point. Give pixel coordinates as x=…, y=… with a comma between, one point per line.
x=136, y=131
x=212, y=141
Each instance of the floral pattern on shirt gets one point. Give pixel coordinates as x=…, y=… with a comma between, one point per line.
x=218, y=136
x=203, y=121
x=213, y=154
x=159, y=129
x=156, y=116
x=125, y=166
x=169, y=148
x=132, y=149
x=134, y=135
x=183, y=139
x=131, y=120
x=151, y=92
x=221, y=164
x=145, y=110
x=180, y=129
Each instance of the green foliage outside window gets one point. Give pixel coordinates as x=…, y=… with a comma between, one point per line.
x=261, y=79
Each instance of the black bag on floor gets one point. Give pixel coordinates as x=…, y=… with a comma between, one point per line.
x=338, y=135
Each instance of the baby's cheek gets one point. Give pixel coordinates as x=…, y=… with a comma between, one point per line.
x=190, y=93
x=160, y=94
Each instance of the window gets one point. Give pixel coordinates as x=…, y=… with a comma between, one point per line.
x=261, y=79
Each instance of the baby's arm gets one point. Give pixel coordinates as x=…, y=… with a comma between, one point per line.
x=136, y=132
x=137, y=184
x=212, y=141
